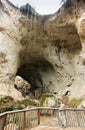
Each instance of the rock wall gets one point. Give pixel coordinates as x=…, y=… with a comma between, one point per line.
x=48, y=55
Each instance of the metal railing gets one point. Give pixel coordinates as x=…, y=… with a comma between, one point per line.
x=28, y=118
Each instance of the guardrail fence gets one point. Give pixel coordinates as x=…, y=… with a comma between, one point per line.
x=75, y=117
x=28, y=118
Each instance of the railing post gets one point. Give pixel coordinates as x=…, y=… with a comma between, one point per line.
x=2, y=122
x=77, y=118
x=24, y=120
x=38, y=116
x=65, y=116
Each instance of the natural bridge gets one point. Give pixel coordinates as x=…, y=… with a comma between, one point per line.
x=42, y=118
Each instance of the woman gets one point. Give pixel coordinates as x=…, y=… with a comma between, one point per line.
x=62, y=116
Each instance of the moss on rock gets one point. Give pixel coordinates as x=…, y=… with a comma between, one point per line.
x=7, y=103
x=47, y=100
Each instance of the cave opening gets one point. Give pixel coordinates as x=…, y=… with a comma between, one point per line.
x=46, y=74
x=34, y=72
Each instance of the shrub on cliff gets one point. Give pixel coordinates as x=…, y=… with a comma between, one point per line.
x=74, y=102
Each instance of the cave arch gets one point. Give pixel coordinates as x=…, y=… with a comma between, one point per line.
x=34, y=71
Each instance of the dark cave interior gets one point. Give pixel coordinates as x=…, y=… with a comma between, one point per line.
x=32, y=72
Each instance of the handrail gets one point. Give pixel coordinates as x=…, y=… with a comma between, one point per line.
x=30, y=109
x=39, y=108
x=27, y=116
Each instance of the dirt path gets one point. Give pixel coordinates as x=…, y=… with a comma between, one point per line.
x=55, y=128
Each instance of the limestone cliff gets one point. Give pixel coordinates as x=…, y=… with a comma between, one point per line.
x=47, y=53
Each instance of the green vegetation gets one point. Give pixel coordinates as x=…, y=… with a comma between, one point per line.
x=7, y=103
x=74, y=102
x=24, y=103
x=42, y=99
x=45, y=98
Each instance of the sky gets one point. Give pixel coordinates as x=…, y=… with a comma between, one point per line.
x=41, y=6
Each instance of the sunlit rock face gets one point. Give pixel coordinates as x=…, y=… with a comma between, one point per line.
x=9, y=48
x=49, y=54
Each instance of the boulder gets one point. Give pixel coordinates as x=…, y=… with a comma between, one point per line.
x=22, y=85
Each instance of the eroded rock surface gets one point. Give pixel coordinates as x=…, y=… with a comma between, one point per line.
x=49, y=55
